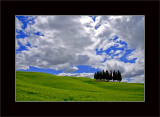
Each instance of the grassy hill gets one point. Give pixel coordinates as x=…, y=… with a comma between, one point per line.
x=36, y=86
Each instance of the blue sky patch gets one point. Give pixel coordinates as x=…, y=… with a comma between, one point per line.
x=112, y=51
x=34, y=69
x=124, y=57
x=21, y=48
x=26, y=20
x=128, y=79
x=96, y=27
x=21, y=34
x=123, y=43
x=93, y=18
x=99, y=52
x=116, y=37
x=86, y=69
x=39, y=34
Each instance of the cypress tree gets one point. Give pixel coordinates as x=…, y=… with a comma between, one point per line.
x=104, y=75
x=119, y=77
x=114, y=75
x=110, y=75
x=97, y=75
x=101, y=75
x=107, y=75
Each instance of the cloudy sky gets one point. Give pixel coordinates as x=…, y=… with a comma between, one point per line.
x=81, y=45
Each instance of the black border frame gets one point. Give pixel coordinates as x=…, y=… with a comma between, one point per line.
x=148, y=108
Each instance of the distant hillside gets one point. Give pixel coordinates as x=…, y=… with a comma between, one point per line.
x=36, y=86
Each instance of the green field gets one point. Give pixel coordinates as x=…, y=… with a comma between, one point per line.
x=36, y=86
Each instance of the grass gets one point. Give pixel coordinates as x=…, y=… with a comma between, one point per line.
x=36, y=86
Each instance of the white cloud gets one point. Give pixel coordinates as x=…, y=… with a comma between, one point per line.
x=117, y=52
x=138, y=79
x=128, y=70
x=17, y=45
x=128, y=28
x=88, y=75
x=19, y=24
x=67, y=42
x=112, y=51
x=23, y=41
x=71, y=69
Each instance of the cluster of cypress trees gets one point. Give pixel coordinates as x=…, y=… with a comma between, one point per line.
x=105, y=75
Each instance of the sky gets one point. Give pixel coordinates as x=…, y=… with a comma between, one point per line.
x=73, y=45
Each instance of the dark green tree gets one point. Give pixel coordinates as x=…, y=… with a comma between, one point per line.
x=107, y=75
x=114, y=75
x=104, y=75
x=101, y=75
x=98, y=77
x=119, y=76
x=95, y=76
x=110, y=75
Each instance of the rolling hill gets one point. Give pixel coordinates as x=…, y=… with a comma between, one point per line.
x=37, y=86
